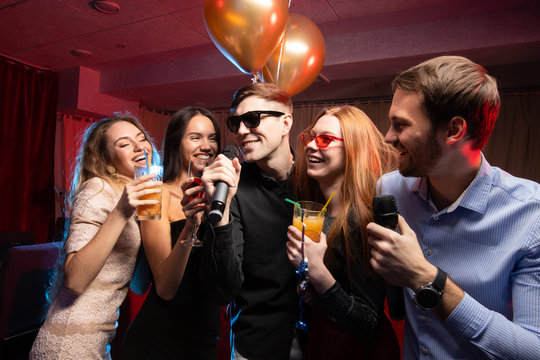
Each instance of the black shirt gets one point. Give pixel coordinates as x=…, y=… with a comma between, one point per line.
x=249, y=265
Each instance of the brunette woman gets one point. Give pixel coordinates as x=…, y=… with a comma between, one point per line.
x=179, y=318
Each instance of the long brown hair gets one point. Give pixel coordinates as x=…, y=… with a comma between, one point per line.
x=367, y=158
x=172, y=155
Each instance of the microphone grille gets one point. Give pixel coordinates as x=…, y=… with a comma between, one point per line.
x=385, y=204
x=385, y=211
x=230, y=152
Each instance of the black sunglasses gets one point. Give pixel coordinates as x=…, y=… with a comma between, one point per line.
x=251, y=119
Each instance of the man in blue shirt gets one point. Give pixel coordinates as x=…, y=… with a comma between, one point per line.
x=467, y=250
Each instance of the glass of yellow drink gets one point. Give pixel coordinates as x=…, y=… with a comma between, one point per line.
x=150, y=212
x=313, y=219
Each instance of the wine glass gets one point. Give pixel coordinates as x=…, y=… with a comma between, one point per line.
x=195, y=173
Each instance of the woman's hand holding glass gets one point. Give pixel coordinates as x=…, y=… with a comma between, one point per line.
x=319, y=276
x=192, y=206
x=313, y=251
x=134, y=191
x=194, y=203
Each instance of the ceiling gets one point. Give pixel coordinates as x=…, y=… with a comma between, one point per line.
x=159, y=53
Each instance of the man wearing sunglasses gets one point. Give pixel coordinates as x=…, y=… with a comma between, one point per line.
x=246, y=253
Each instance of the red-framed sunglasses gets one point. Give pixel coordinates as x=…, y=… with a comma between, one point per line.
x=322, y=141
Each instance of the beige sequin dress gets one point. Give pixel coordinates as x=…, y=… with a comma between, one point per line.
x=83, y=326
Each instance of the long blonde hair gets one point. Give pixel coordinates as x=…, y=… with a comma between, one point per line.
x=93, y=160
x=367, y=158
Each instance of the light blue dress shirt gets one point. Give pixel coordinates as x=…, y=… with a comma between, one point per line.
x=488, y=242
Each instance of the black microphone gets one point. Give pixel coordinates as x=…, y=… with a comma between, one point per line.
x=222, y=190
x=385, y=213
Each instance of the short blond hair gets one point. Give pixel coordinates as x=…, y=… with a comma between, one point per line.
x=267, y=91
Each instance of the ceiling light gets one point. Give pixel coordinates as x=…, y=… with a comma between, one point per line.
x=105, y=6
x=80, y=53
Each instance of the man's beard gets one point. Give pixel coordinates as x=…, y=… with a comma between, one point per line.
x=423, y=158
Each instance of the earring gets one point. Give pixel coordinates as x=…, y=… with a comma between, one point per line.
x=112, y=171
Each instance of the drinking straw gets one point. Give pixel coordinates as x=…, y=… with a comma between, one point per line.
x=294, y=202
x=189, y=169
x=146, y=159
x=325, y=205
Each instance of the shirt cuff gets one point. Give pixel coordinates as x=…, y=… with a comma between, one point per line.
x=467, y=320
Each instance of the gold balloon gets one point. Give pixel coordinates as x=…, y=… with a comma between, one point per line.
x=246, y=31
x=299, y=58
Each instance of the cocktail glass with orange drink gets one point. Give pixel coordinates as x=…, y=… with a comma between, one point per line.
x=150, y=212
x=313, y=219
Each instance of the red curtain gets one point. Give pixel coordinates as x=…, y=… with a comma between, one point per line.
x=28, y=118
x=73, y=128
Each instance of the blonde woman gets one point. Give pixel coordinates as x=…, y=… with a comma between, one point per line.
x=102, y=241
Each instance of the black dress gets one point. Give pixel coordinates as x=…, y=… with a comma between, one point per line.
x=186, y=327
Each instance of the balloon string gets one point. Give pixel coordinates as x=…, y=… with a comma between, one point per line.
x=280, y=64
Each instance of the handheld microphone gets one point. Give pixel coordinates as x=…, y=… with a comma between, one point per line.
x=222, y=190
x=385, y=213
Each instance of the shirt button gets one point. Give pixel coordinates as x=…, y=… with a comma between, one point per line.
x=428, y=252
x=425, y=351
x=423, y=318
x=436, y=217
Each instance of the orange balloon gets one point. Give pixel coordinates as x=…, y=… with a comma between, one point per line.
x=246, y=31
x=299, y=58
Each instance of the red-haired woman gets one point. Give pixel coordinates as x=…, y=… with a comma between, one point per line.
x=343, y=153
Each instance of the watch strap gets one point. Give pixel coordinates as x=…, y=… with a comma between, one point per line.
x=440, y=281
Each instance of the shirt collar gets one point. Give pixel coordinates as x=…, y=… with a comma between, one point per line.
x=267, y=178
x=475, y=197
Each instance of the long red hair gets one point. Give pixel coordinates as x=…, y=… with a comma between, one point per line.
x=367, y=158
